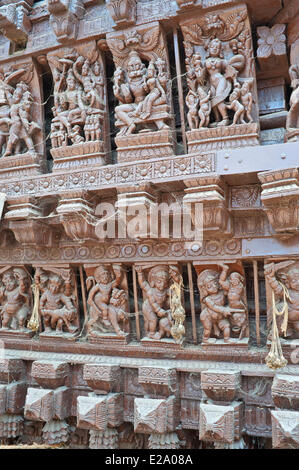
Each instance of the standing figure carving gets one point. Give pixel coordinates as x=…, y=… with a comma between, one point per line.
x=17, y=127
x=283, y=279
x=156, y=310
x=293, y=115
x=142, y=93
x=223, y=304
x=15, y=298
x=107, y=301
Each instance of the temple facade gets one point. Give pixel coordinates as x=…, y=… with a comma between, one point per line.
x=149, y=223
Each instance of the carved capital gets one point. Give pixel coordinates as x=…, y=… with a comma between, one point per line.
x=14, y=21
x=11, y=369
x=156, y=416
x=285, y=391
x=221, y=423
x=76, y=214
x=285, y=429
x=211, y=192
x=12, y=397
x=158, y=380
x=280, y=198
x=64, y=17
x=102, y=378
x=98, y=412
x=50, y=374
x=123, y=12
x=46, y=405
x=220, y=385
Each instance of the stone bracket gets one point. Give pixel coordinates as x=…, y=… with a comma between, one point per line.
x=103, y=378
x=97, y=412
x=153, y=415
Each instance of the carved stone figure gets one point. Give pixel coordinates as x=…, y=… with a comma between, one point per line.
x=293, y=116
x=17, y=127
x=78, y=98
x=283, y=279
x=58, y=303
x=216, y=315
x=141, y=93
x=156, y=311
x=107, y=301
x=15, y=298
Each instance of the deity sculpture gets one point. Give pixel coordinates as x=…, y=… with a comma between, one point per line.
x=107, y=301
x=57, y=304
x=15, y=298
x=17, y=128
x=214, y=86
x=142, y=93
x=216, y=316
x=283, y=279
x=157, y=314
x=293, y=115
x=78, y=100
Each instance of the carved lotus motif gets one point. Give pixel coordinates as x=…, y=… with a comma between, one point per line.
x=272, y=41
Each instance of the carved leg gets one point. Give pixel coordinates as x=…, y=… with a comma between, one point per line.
x=161, y=125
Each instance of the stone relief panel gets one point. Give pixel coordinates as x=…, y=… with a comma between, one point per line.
x=220, y=76
x=79, y=126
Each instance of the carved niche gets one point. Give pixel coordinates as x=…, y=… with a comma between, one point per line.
x=283, y=280
x=15, y=301
x=123, y=12
x=220, y=76
x=79, y=128
x=107, y=301
x=144, y=93
x=64, y=17
x=156, y=283
x=57, y=302
x=21, y=136
x=224, y=310
x=280, y=198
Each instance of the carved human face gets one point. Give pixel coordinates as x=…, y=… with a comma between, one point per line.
x=103, y=277
x=85, y=68
x=239, y=319
x=161, y=281
x=134, y=67
x=54, y=286
x=9, y=282
x=212, y=285
x=71, y=84
x=235, y=279
x=215, y=48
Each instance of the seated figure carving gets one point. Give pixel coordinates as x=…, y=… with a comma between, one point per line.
x=142, y=93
